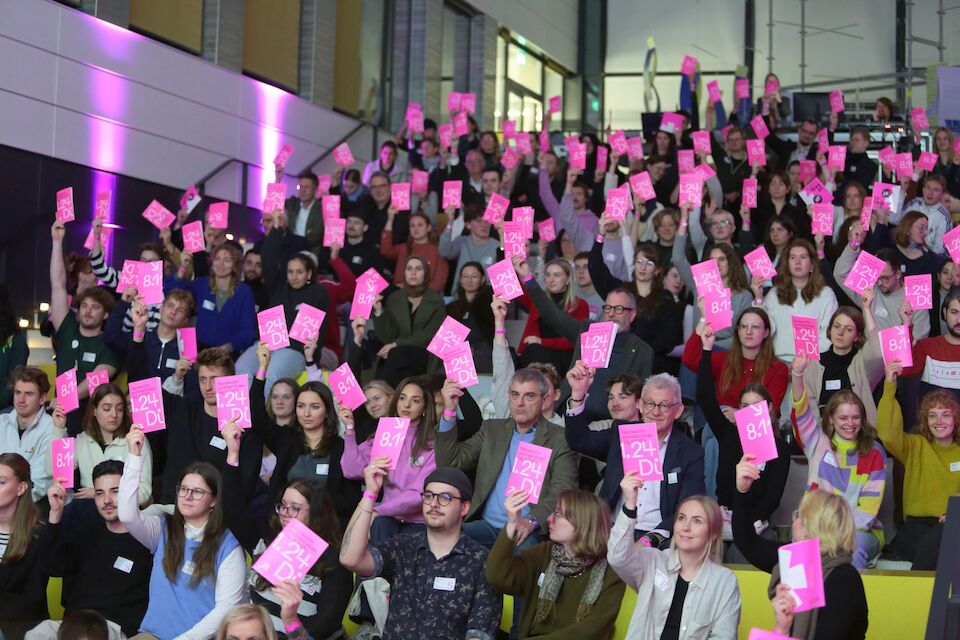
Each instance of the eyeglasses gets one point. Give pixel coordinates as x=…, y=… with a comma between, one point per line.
x=196, y=493
x=557, y=515
x=662, y=407
x=618, y=309
x=721, y=223
x=645, y=263
x=290, y=509
x=443, y=498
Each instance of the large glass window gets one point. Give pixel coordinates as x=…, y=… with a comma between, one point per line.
x=524, y=69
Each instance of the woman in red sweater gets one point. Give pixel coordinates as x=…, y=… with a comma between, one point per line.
x=419, y=243
x=540, y=342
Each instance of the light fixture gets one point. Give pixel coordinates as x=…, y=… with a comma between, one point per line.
x=24, y=323
x=44, y=307
x=229, y=236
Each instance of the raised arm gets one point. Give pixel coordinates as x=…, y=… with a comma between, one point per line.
x=564, y=325
x=354, y=551
x=145, y=529
x=59, y=303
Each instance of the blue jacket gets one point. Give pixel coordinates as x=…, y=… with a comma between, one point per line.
x=235, y=323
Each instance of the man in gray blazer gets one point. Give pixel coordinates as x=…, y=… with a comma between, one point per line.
x=491, y=453
x=305, y=213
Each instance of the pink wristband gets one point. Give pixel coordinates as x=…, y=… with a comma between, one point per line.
x=371, y=496
x=261, y=373
x=449, y=415
x=290, y=628
x=499, y=331
x=645, y=541
x=528, y=278
x=138, y=335
x=599, y=237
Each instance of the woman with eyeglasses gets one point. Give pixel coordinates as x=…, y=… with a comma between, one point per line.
x=821, y=515
x=568, y=589
x=318, y=601
x=199, y=571
x=683, y=591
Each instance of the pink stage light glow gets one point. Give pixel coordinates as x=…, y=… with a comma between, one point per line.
x=271, y=106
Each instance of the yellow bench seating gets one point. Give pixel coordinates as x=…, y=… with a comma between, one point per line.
x=890, y=595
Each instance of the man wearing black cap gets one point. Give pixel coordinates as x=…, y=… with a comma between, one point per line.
x=438, y=588
x=360, y=251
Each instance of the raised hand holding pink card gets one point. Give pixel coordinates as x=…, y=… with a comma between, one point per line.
x=618, y=142
x=272, y=325
x=756, y=153
x=759, y=126
x=691, y=189
x=866, y=213
x=640, y=451
x=529, y=470
x=67, y=397
x=671, y=123
x=837, y=156
x=548, y=232
x=187, y=340
x=903, y=164
x=618, y=203
x=951, y=242
x=128, y=275
x=750, y=193
x=291, y=555
x=190, y=199
x=345, y=387
x=150, y=282
x=689, y=66
x=95, y=379
x=701, y=141
x=808, y=170
x=865, y=272
x=158, y=215
x=453, y=101
x=602, y=158
x=369, y=285
x=388, y=440
x=218, y=215
x=510, y=158
x=65, y=211
x=496, y=209
x=918, y=118
x=927, y=161
x=276, y=195
x=330, y=205
x=706, y=277
x=461, y=124
x=760, y=264
x=642, y=186
x=283, y=156
x=806, y=337
x=578, y=155
x=509, y=129
x=822, y=218
x=895, y=345
x=452, y=190
x=771, y=86
x=742, y=88
x=718, y=309
x=885, y=155
x=596, y=344
x=193, y=237
x=823, y=139
x=468, y=102
x=102, y=209
x=450, y=334
x=514, y=243
x=919, y=291
x=756, y=432
x=524, y=146
x=713, y=91
x=635, y=148
x=801, y=568
x=555, y=104
x=419, y=182
x=62, y=454
x=524, y=215
x=146, y=404
x=815, y=191
x=233, y=400
x=459, y=366
x=685, y=160
x=836, y=102
x=306, y=326
x=343, y=155
x=105, y=233
x=503, y=279
x=400, y=195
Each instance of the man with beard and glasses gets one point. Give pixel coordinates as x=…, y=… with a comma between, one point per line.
x=104, y=568
x=438, y=588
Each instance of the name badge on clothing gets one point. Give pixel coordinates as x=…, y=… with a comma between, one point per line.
x=218, y=442
x=171, y=363
x=323, y=469
x=444, y=584
x=540, y=580
x=356, y=259
x=660, y=580
x=123, y=564
x=89, y=357
x=955, y=466
x=672, y=478
x=832, y=385
x=829, y=459
x=209, y=305
x=188, y=568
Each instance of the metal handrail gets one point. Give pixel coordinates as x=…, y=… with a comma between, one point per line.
x=323, y=156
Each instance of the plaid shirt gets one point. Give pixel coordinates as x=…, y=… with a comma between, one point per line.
x=436, y=598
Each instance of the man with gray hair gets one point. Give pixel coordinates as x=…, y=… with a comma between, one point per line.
x=680, y=457
x=491, y=451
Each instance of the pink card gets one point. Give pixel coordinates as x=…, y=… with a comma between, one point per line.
x=97, y=378
x=400, y=195
x=759, y=263
x=756, y=153
x=903, y=164
x=461, y=124
x=951, y=241
x=691, y=189
x=918, y=118
x=419, y=182
x=689, y=66
x=771, y=87
x=524, y=145
x=642, y=186
x=67, y=397
x=706, y=277
x=640, y=451
x=555, y=104
x=323, y=184
x=806, y=338
x=103, y=204
x=822, y=218
x=761, y=634
x=445, y=131
x=452, y=190
x=836, y=102
x=514, y=242
x=618, y=202
x=450, y=334
x=459, y=366
x=369, y=285
x=596, y=344
x=193, y=237
x=685, y=160
x=756, y=432
x=503, y=279
x=453, y=101
x=128, y=275
x=866, y=213
x=509, y=128
x=388, y=441
x=759, y=126
x=886, y=195
x=808, y=170
x=105, y=233
x=635, y=148
x=415, y=117
x=750, y=193
x=187, y=340
x=158, y=215
x=743, y=88
x=146, y=404
x=866, y=270
x=276, y=195
x=548, y=233
x=956, y=144
x=291, y=554
x=886, y=155
x=524, y=215
x=342, y=155
x=468, y=102
x=61, y=453
x=190, y=199
x=345, y=387
x=233, y=400
x=496, y=209
x=331, y=207
x=927, y=161
x=801, y=568
x=823, y=140
x=815, y=191
x=671, y=123
x=706, y=171
x=578, y=155
x=718, y=309
x=919, y=291
x=701, y=141
x=272, y=326
x=283, y=156
x=306, y=326
x=618, y=142
x=529, y=469
x=218, y=215
x=895, y=345
x=509, y=159
x=150, y=282
x=837, y=157
x=602, y=158
x=65, y=212
x=713, y=91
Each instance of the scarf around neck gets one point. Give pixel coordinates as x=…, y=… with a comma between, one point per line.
x=560, y=567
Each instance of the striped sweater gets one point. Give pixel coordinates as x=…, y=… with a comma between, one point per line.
x=109, y=277
x=836, y=467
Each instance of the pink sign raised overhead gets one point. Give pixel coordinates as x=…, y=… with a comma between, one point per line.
x=496, y=209
x=837, y=157
x=815, y=191
x=150, y=282
x=445, y=132
x=330, y=206
x=759, y=126
x=524, y=215
x=927, y=161
x=529, y=470
x=865, y=272
x=705, y=170
x=345, y=387
x=895, y=345
x=836, y=102
x=806, y=337
x=671, y=123
x=640, y=451
x=509, y=129
x=97, y=378
x=919, y=291
x=578, y=155
x=718, y=309
x=461, y=124
x=701, y=141
x=369, y=285
x=524, y=146
x=756, y=432
x=548, y=233
x=342, y=155
x=453, y=101
x=602, y=152
x=514, y=243
x=742, y=88
x=452, y=190
x=691, y=189
x=66, y=385
x=105, y=233
x=918, y=118
x=713, y=91
x=596, y=344
x=233, y=400
x=306, y=326
x=801, y=569
x=618, y=142
x=291, y=554
x=689, y=66
x=103, y=205
x=65, y=211
x=400, y=195
x=128, y=275
x=771, y=86
x=193, y=237
x=458, y=365
x=323, y=184
x=750, y=193
x=642, y=186
x=218, y=215
x=823, y=139
x=190, y=199
x=808, y=170
x=756, y=153
x=62, y=457
x=450, y=334
x=885, y=155
x=866, y=213
x=468, y=102
x=510, y=158
x=706, y=277
x=555, y=104
x=903, y=164
x=951, y=241
x=760, y=264
x=419, y=182
x=388, y=440
x=158, y=215
x=503, y=279
x=821, y=218
x=146, y=404
x=685, y=160
x=187, y=341
x=283, y=156
x=618, y=202
x=635, y=148
x=276, y=195
x=414, y=117
x=272, y=325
